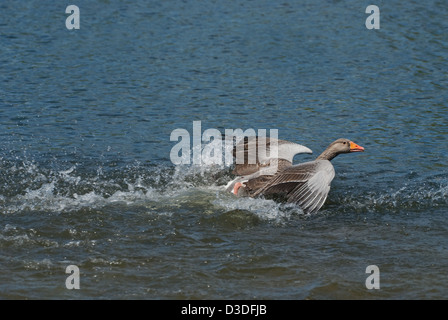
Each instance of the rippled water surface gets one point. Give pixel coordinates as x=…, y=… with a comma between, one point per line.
x=85, y=171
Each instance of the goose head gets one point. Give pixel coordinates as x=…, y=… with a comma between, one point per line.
x=338, y=147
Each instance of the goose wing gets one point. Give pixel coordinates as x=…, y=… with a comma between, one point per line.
x=270, y=155
x=306, y=184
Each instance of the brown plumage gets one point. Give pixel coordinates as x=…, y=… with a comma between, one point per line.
x=306, y=184
x=259, y=159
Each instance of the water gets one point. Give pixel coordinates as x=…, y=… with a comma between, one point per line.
x=86, y=177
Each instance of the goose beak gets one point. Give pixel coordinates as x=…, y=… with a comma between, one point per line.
x=355, y=148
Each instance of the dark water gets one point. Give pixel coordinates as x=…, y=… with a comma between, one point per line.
x=85, y=171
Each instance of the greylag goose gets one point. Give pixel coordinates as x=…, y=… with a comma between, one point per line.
x=306, y=184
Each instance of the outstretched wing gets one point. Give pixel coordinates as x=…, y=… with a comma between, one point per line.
x=306, y=184
x=253, y=154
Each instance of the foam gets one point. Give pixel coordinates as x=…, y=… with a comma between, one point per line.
x=264, y=209
x=31, y=188
x=411, y=196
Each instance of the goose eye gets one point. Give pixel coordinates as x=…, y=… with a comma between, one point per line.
x=345, y=142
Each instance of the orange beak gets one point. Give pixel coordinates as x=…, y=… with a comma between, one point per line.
x=355, y=148
x=236, y=187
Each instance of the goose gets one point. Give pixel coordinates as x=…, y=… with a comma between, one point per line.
x=306, y=184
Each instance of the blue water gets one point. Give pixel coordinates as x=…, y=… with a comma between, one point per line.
x=85, y=171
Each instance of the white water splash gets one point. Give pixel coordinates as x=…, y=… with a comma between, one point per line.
x=409, y=196
x=262, y=208
x=164, y=189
